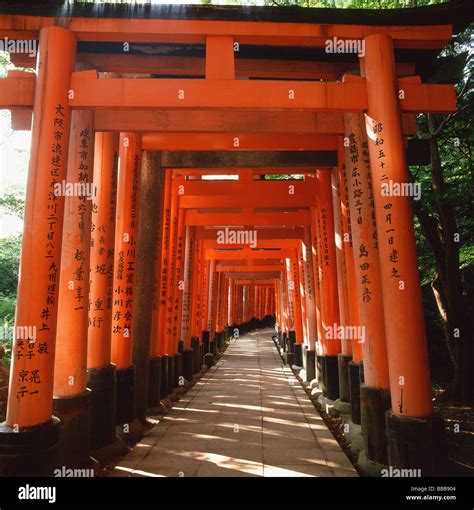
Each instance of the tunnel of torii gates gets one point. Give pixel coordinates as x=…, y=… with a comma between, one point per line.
x=129, y=288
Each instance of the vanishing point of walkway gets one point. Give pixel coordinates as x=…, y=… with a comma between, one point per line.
x=247, y=416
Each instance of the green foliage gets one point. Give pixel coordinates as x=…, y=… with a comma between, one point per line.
x=4, y=62
x=284, y=177
x=7, y=309
x=7, y=319
x=9, y=261
x=13, y=201
x=353, y=4
x=10, y=248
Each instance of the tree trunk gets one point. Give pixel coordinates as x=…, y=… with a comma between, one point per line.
x=457, y=332
x=442, y=235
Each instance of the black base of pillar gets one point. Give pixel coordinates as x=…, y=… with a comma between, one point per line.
x=178, y=370
x=209, y=360
x=290, y=358
x=361, y=373
x=171, y=379
x=310, y=365
x=344, y=388
x=164, y=376
x=188, y=364
x=285, y=342
x=320, y=372
x=75, y=430
x=180, y=346
x=280, y=339
x=417, y=443
x=374, y=402
x=331, y=377
x=30, y=451
x=213, y=347
x=197, y=354
x=298, y=350
x=354, y=386
x=125, y=394
x=291, y=341
x=205, y=335
x=103, y=385
x=228, y=332
x=154, y=382
x=253, y=324
x=220, y=341
x=130, y=432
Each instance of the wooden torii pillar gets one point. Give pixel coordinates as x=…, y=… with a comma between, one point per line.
x=126, y=232
x=330, y=305
x=158, y=364
x=101, y=377
x=72, y=399
x=311, y=304
x=158, y=343
x=174, y=290
x=204, y=292
x=251, y=304
x=282, y=330
x=212, y=306
x=186, y=318
x=148, y=248
x=287, y=320
x=294, y=311
x=29, y=436
x=341, y=241
x=196, y=305
x=298, y=311
x=225, y=304
x=230, y=308
x=209, y=266
x=302, y=290
x=179, y=295
x=171, y=347
x=354, y=366
x=219, y=319
x=415, y=434
x=237, y=304
x=317, y=275
x=245, y=303
x=374, y=393
x=278, y=317
x=188, y=281
x=197, y=297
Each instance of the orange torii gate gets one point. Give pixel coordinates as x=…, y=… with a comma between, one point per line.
x=209, y=274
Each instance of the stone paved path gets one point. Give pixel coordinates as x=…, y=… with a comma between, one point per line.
x=247, y=416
